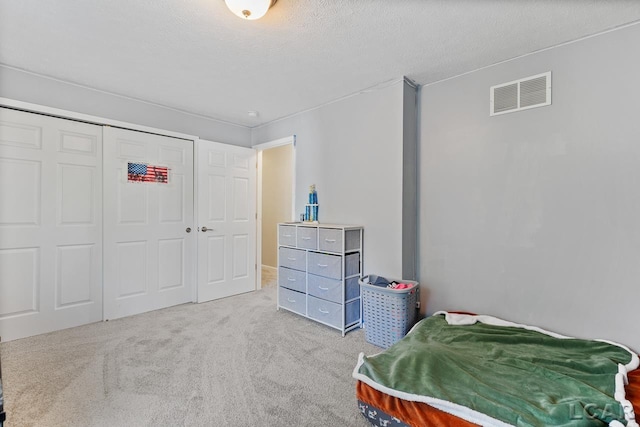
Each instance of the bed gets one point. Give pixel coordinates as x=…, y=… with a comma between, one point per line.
x=461, y=370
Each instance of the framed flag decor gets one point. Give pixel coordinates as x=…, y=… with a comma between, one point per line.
x=142, y=172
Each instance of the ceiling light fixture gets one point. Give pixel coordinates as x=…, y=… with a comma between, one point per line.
x=249, y=9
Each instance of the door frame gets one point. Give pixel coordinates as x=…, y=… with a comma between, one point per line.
x=259, y=149
x=87, y=118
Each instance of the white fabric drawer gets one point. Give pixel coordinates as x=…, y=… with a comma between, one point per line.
x=292, y=300
x=293, y=258
x=292, y=279
x=307, y=237
x=325, y=265
x=287, y=235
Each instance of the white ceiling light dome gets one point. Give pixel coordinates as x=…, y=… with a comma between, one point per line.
x=249, y=9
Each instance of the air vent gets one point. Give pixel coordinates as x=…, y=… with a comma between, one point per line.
x=530, y=92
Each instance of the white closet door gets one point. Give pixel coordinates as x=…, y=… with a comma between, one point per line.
x=227, y=220
x=50, y=224
x=149, y=256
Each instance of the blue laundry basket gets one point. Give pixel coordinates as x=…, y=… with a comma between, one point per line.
x=388, y=314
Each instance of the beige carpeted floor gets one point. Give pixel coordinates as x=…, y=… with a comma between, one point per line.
x=232, y=362
x=269, y=276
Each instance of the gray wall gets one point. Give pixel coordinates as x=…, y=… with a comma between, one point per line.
x=352, y=150
x=535, y=216
x=409, y=182
x=27, y=87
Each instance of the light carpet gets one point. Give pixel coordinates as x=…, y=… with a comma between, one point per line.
x=231, y=362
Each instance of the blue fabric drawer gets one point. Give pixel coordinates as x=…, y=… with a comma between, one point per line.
x=352, y=264
x=292, y=300
x=330, y=240
x=287, y=235
x=307, y=237
x=353, y=288
x=293, y=258
x=331, y=289
x=353, y=241
x=325, y=288
x=292, y=279
x=325, y=265
x=331, y=313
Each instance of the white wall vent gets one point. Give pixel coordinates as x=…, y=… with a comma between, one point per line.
x=518, y=95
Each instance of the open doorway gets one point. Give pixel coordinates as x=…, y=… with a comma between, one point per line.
x=275, y=204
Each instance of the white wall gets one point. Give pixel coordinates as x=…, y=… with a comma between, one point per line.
x=352, y=150
x=27, y=87
x=535, y=216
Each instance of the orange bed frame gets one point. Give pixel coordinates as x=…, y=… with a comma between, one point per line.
x=418, y=414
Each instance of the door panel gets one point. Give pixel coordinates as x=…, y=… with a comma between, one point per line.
x=227, y=208
x=20, y=282
x=149, y=256
x=20, y=203
x=74, y=266
x=50, y=224
x=171, y=264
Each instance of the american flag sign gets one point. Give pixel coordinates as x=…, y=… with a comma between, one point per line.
x=142, y=172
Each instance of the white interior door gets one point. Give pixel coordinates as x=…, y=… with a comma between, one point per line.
x=50, y=224
x=226, y=220
x=149, y=254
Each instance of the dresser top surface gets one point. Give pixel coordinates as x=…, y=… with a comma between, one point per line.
x=322, y=225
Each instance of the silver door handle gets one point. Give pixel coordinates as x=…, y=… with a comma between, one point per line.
x=206, y=229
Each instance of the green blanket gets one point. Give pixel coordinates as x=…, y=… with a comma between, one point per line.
x=485, y=373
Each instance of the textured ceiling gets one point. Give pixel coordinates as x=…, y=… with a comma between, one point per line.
x=196, y=56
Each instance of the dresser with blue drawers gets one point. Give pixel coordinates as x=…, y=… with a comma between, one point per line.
x=318, y=270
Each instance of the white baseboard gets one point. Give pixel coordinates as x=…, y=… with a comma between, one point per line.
x=268, y=267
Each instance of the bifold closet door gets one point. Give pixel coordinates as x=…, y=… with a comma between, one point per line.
x=50, y=224
x=149, y=233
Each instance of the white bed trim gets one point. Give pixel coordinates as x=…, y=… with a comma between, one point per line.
x=443, y=405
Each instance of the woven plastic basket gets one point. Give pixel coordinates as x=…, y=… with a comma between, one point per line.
x=388, y=314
